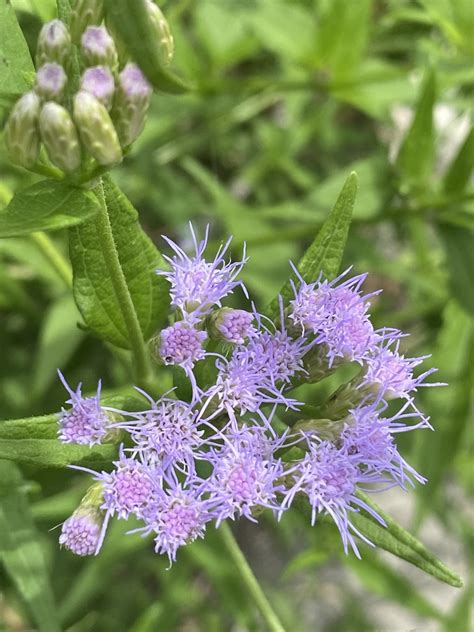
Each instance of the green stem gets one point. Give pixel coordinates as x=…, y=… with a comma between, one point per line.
x=54, y=256
x=138, y=347
x=249, y=579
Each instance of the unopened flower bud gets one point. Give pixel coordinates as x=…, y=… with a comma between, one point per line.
x=51, y=82
x=96, y=129
x=99, y=82
x=230, y=325
x=54, y=44
x=131, y=103
x=60, y=137
x=81, y=533
x=21, y=131
x=84, y=13
x=98, y=48
x=162, y=30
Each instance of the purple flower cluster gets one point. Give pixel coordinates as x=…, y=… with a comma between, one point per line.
x=184, y=464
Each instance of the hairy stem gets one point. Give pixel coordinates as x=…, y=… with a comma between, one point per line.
x=249, y=579
x=138, y=347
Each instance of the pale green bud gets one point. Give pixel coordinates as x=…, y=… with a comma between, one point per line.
x=162, y=31
x=98, y=48
x=84, y=13
x=131, y=103
x=96, y=129
x=99, y=82
x=60, y=137
x=54, y=44
x=21, y=131
x=51, y=81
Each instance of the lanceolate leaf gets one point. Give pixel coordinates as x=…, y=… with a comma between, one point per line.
x=47, y=205
x=130, y=19
x=460, y=169
x=93, y=288
x=325, y=253
x=460, y=259
x=416, y=154
x=16, y=67
x=21, y=552
x=395, y=539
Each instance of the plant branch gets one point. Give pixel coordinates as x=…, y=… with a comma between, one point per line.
x=249, y=579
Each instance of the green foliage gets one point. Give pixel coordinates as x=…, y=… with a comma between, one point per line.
x=21, y=550
x=288, y=99
x=94, y=290
x=47, y=205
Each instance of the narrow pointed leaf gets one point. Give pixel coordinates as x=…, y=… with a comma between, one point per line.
x=130, y=19
x=21, y=552
x=324, y=256
x=460, y=170
x=415, y=159
x=395, y=539
x=93, y=289
x=47, y=205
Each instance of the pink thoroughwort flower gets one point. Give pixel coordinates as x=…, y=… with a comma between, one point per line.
x=86, y=421
x=198, y=285
x=223, y=455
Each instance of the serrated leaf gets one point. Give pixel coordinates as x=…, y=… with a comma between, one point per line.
x=460, y=170
x=396, y=540
x=47, y=205
x=21, y=552
x=130, y=19
x=16, y=66
x=325, y=253
x=415, y=159
x=459, y=245
x=93, y=288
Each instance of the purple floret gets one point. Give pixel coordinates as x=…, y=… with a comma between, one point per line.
x=86, y=421
x=81, y=534
x=198, y=285
x=182, y=344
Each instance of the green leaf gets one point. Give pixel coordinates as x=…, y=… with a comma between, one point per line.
x=16, y=67
x=130, y=19
x=21, y=552
x=460, y=170
x=325, y=253
x=93, y=288
x=415, y=159
x=47, y=205
x=395, y=539
x=32, y=441
x=459, y=244
x=59, y=338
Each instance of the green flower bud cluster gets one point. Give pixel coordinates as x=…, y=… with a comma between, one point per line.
x=107, y=113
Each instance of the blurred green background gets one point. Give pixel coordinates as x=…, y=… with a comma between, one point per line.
x=290, y=97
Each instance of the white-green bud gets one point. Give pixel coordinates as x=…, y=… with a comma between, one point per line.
x=54, y=44
x=60, y=137
x=21, y=132
x=99, y=82
x=84, y=13
x=51, y=81
x=162, y=31
x=98, y=48
x=96, y=129
x=132, y=101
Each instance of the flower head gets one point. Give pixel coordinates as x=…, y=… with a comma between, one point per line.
x=231, y=325
x=198, y=285
x=86, y=421
x=246, y=475
x=81, y=532
x=181, y=344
